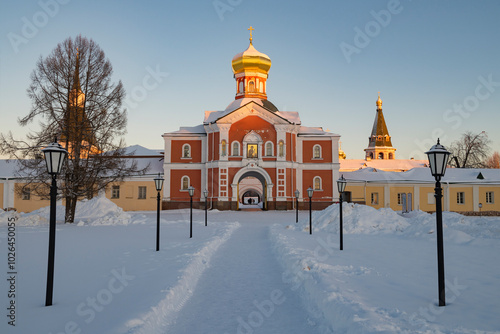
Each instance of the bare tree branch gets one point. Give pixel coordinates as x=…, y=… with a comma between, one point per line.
x=74, y=99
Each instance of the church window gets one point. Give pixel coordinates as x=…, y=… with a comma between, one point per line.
x=240, y=90
x=460, y=197
x=374, y=198
x=391, y=156
x=317, y=183
x=281, y=149
x=252, y=151
x=261, y=89
x=371, y=155
x=26, y=194
x=251, y=87
x=381, y=155
x=269, y=149
x=223, y=148
x=317, y=152
x=236, y=149
x=142, y=192
x=115, y=192
x=185, y=183
x=186, y=151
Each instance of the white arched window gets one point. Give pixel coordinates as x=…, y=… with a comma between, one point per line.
x=317, y=152
x=236, y=149
x=269, y=149
x=185, y=182
x=317, y=183
x=186, y=151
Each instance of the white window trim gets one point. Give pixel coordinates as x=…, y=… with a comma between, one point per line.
x=320, y=183
x=182, y=153
x=239, y=149
x=272, y=148
x=189, y=182
x=320, y=152
x=463, y=197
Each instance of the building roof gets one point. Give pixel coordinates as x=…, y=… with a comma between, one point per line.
x=139, y=150
x=392, y=165
x=423, y=175
x=7, y=168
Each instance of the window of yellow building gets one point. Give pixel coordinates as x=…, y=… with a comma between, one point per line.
x=489, y=197
x=26, y=194
x=374, y=198
x=460, y=197
x=115, y=192
x=142, y=192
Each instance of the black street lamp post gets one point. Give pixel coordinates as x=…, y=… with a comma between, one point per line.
x=191, y=193
x=297, y=193
x=341, y=183
x=310, y=192
x=438, y=159
x=158, y=184
x=54, y=158
x=205, y=194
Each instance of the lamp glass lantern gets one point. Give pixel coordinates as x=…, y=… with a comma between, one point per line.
x=159, y=182
x=297, y=193
x=205, y=193
x=310, y=192
x=341, y=183
x=191, y=191
x=54, y=155
x=438, y=159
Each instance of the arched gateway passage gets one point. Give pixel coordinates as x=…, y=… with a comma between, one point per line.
x=250, y=184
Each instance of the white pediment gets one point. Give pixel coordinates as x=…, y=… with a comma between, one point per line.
x=252, y=137
x=252, y=109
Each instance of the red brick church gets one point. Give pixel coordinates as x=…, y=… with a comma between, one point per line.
x=250, y=152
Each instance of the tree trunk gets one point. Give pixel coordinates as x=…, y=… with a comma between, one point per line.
x=70, y=209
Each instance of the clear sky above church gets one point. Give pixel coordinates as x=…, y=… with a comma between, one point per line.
x=436, y=63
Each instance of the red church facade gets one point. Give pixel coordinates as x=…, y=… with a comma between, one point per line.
x=250, y=152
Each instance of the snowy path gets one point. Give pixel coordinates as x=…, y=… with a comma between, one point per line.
x=243, y=291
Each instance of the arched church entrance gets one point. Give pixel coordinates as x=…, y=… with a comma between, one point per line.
x=252, y=188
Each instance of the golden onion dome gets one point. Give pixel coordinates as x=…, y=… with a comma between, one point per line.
x=379, y=101
x=251, y=60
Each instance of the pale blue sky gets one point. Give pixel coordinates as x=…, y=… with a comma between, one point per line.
x=428, y=60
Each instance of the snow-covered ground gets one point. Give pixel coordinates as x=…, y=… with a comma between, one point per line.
x=250, y=272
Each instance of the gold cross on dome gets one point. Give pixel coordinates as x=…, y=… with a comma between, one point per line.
x=251, y=30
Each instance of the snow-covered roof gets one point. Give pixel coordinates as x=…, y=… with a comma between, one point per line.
x=139, y=150
x=212, y=116
x=423, y=175
x=395, y=165
x=291, y=116
x=189, y=130
x=315, y=131
x=7, y=168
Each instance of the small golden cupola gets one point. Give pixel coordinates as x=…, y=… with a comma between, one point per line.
x=251, y=69
x=379, y=142
x=379, y=102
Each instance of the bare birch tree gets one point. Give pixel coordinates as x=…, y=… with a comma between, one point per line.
x=470, y=151
x=74, y=100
